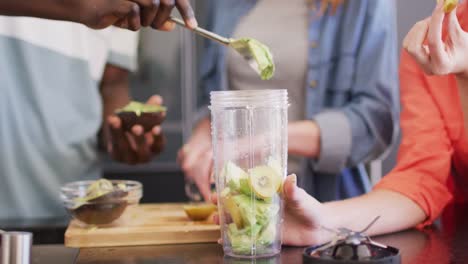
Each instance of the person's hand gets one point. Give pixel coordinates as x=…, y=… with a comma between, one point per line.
x=132, y=14
x=436, y=53
x=303, y=216
x=196, y=158
x=99, y=14
x=156, y=13
x=135, y=146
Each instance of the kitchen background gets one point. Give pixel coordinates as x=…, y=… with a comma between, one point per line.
x=168, y=66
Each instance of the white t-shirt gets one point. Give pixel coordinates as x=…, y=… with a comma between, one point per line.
x=51, y=109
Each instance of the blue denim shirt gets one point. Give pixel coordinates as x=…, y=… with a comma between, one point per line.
x=351, y=93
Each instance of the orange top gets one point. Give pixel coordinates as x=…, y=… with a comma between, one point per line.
x=432, y=166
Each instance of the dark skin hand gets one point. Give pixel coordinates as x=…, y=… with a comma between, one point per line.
x=155, y=13
x=99, y=14
x=130, y=147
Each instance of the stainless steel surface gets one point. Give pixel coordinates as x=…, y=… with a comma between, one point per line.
x=16, y=247
x=203, y=32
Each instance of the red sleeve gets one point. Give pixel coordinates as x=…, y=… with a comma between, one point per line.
x=423, y=170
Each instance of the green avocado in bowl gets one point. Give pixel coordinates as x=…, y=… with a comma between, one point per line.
x=100, y=202
x=137, y=113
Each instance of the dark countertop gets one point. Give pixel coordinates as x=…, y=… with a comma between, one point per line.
x=46, y=231
x=447, y=243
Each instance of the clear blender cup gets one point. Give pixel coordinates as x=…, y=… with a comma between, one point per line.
x=249, y=131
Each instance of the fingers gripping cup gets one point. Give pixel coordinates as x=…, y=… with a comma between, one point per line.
x=250, y=155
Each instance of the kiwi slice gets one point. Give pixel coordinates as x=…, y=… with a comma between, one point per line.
x=199, y=212
x=264, y=181
x=276, y=165
x=233, y=210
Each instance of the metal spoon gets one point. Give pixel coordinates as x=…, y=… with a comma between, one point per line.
x=240, y=47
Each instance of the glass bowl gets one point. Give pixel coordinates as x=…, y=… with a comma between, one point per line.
x=104, y=209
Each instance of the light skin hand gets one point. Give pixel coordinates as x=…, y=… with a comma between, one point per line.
x=303, y=216
x=435, y=54
x=441, y=56
x=196, y=158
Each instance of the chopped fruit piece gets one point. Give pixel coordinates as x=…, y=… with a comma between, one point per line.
x=268, y=234
x=199, y=212
x=276, y=165
x=234, y=211
x=264, y=181
x=233, y=174
x=225, y=192
x=245, y=187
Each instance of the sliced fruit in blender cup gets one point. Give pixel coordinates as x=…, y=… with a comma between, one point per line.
x=233, y=174
x=233, y=211
x=264, y=181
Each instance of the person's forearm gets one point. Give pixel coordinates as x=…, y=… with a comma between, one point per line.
x=202, y=126
x=114, y=93
x=114, y=89
x=397, y=212
x=304, y=139
x=49, y=9
x=463, y=91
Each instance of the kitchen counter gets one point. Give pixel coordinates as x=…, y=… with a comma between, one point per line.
x=444, y=244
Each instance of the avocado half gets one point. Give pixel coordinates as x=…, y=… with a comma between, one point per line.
x=137, y=113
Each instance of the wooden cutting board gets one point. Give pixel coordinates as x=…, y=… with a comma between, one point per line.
x=148, y=224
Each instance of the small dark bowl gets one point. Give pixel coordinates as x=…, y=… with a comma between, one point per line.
x=102, y=210
x=146, y=120
x=99, y=214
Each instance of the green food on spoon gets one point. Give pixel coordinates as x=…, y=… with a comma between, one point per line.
x=260, y=53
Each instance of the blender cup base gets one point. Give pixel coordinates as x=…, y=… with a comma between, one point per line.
x=263, y=256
